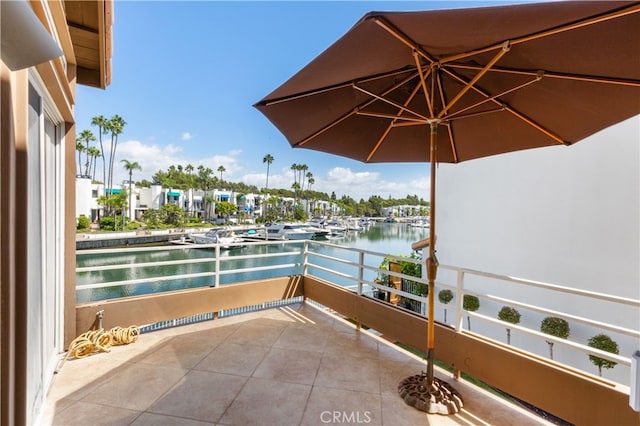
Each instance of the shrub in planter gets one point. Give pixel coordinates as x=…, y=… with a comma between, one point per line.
x=605, y=343
x=83, y=223
x=557, y=327
x=509, y=314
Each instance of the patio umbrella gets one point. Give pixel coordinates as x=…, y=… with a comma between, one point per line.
x=455, y=85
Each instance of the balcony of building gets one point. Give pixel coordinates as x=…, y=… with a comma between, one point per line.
x=315, y=345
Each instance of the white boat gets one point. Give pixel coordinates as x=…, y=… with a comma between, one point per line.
x=365, y=222
x=353, y=225
x=420, y=223
x=287, y=231
x=318, y=232
x=227, y=238
x=335, y=228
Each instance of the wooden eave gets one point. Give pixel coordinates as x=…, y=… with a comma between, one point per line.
x=90, y=24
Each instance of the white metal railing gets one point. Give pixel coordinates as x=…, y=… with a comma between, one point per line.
x=358, y=270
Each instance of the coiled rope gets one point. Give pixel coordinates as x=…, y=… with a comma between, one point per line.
x=95, y=341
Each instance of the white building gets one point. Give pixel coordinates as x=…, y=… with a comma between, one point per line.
x=563, y=215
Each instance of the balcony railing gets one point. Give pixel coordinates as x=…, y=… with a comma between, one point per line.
x=346, y=280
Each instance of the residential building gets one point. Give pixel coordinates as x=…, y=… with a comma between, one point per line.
x=48, y=48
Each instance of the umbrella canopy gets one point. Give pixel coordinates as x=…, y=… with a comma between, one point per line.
x=454, y=85
x=498, y=79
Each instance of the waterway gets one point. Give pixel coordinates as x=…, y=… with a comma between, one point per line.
x=391, y=238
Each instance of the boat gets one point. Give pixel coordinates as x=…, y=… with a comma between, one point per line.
x=335, y=228
x=353, y=225
x=318, y=232
x=287, y=231
x=227, y=238
x=420, y=223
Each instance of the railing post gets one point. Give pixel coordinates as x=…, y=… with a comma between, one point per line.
x=459, y=311
x=360, y=272
x=305, y=258
x=217, y=267
x=459, y=324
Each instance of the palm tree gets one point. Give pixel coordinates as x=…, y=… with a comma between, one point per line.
x=130, y=167
x=116, y=126
x=80, y=149
x=295, y=167
x=309, y=177
x=94, y=152
x=267, y=159
x=303, y=168
x=208, y=201
x=221, y=169
x=86, y=136
x=189, y=169
x=103, y=127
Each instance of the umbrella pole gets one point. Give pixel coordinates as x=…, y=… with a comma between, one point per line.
x=432, y=262
x=424, y=391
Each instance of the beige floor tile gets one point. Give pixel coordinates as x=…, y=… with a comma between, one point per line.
x=136, y=386
x=84, y=413
x=267, y=402
x=337, y=406
x=200, y=395
x=396, y=412
x=232, y=358
x=150, y=419
x=288, y=365
x=181, y=351
x=79, y=377
x=357, y=374
x=309, y=338
x=353, y=344
x=256, y=333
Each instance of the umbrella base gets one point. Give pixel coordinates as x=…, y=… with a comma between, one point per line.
x=439, y=398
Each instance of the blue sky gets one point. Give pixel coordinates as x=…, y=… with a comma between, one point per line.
x=186, y=74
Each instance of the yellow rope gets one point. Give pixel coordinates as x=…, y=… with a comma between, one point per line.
x=95, y=341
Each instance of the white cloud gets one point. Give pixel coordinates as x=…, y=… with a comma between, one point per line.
x=154, y=157
x=186, y=136
x=344, y=181
x=362, y=185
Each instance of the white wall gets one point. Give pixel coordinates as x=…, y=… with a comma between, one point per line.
x=84, y=202
x=565, y=215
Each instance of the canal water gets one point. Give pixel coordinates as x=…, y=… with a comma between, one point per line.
x=390, y=238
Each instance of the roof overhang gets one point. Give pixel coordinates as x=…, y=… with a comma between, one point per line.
x=90, y=24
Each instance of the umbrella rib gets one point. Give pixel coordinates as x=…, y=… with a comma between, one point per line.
x=423, y=83
x=491, y=98
x=353, y=111
x=337, y=86
x=393, y=124
x=509, y=109
x=383, y=99
x=562, y=28
x=552, y=74
x=474, y=80
x=392, y=116
x=452, y=143
x=391, y=29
